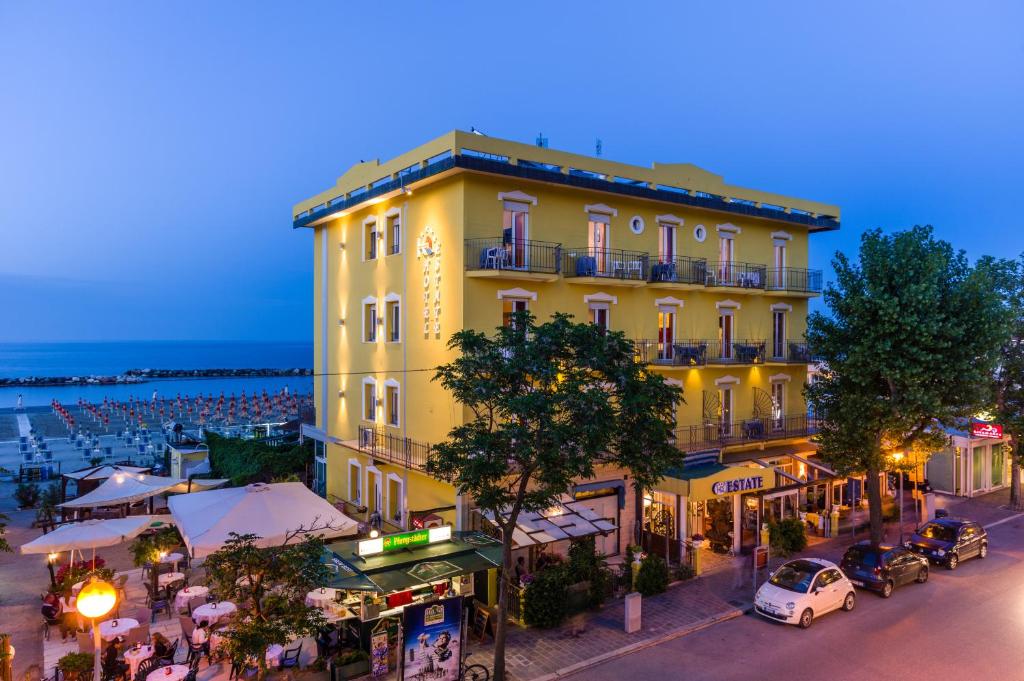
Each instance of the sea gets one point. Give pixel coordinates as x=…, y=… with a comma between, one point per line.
x=113, y=358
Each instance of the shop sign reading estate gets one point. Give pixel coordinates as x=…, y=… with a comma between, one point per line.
x=739, y=485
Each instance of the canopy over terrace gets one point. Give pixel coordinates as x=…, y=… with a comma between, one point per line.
x=93, y=534
x=566, y=519
x=126, y=488
x=273, y=512
x=102, y=472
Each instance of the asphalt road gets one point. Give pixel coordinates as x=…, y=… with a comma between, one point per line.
x=966, y=624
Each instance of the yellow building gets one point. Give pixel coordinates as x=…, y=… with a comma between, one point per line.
x=710, y=279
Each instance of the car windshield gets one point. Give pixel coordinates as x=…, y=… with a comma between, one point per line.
x=865, y=557
x=795, y=576
x=937, y=531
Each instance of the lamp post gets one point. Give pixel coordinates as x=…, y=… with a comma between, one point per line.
x=50, y=560
x=95, y=600
x=897, y=457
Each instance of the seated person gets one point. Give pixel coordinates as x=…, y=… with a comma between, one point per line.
x=161, y=646
x=112, y=666
x=51, y=606
x=201, y=636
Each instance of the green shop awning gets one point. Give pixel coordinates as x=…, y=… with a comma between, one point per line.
x=465, y=553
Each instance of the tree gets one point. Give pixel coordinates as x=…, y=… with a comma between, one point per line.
x=4, y=544
x=269, y=586
x=909, y=347
x=148, y=547
x=546, y=405
x=1008, y=403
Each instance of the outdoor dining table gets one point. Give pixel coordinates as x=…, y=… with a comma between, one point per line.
x=273, y=655
x=318, y=598
x=134, y=656
x=111, y=629
x=182, y=598
x=213, y=612
x=171, y=672
x=170, y=578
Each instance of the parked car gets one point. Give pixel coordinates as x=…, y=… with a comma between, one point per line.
x=882, y=568
x=947, y=541
x=800, y=590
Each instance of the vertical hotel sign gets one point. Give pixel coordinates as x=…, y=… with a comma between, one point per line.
x=428, y=252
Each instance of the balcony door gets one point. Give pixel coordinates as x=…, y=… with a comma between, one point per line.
x=778, y=334
x=666, y=332
x=725, y=334
x=597, y=242
x=666, y=242
x=777, y=278
x=725, y=412
x=515, y=233
x=778, y=404
x=726, y=256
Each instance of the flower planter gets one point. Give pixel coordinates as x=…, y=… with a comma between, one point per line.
x=342, y=672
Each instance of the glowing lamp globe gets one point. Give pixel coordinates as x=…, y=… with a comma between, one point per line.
x=96, y=599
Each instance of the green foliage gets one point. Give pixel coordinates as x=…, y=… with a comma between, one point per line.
x=271, y=597
x=350, y=656
x=76, y=665
x=247, y=461
x=4, y=544
x=720, y=524
x=27, y=494
x=587, y=565
x=146, y=548
x=787, y=536
x=546, y=598
x=683, y=572
x=49, y=497
x=653, y=576
x=909, y=345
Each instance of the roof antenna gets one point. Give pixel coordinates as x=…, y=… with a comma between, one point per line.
x=597, y=147
x=542, y=141
x=476, y=132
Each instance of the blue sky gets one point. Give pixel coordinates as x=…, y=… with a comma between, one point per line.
x=150, y=152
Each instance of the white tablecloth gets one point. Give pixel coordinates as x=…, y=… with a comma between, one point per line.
x=111, y=629
x=274, y=653
x=133, y=657
x=174, y=672
x=213, y=612
x=188, y=593
x=170, y=578
x=316, y=599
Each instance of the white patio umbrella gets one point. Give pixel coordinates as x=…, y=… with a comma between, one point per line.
x=127, y=488
x=206, y=519
x=93, y=534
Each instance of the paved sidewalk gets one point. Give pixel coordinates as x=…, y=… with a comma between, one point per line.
x=539, y=654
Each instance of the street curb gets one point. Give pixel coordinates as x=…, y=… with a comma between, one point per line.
x=640, y=645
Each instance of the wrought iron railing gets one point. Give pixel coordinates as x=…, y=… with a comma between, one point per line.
x=737, y=274
x=787, y=351
x=718, y=433
x=699, y=352
x=796, y=279
x=522, y=256
x=605, y=262
x=404, y=451
x=680, y=269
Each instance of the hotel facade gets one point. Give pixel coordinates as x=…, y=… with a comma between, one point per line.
x=710, y=281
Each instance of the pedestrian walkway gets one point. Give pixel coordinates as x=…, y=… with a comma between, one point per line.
x=534, y=654
x=24, y=427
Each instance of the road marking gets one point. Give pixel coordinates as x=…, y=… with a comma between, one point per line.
x=1004, y=520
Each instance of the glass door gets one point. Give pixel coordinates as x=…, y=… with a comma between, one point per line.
x=515, y=233
x=725, y=411
x=597, y=243
x=725, y=339
x=725, y=260
x=666, y=333
x=779, y=334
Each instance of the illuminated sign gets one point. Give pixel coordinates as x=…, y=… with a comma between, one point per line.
x=404, y=540
x=987, y=430
x=740, y=485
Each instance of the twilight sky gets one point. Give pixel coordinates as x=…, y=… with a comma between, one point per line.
x=150, y=152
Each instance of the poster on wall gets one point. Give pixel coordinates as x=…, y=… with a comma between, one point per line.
x=432, y=640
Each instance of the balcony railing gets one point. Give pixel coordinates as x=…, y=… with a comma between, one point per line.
x=699, y=352
x=522, y=256
x=716, y=434
x=680, y=269
x=796, y=279
x=794, y=353
x=737, y=274
x=403, y=451
x=605, y=262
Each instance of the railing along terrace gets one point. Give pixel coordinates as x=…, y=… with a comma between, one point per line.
x=680, y=269
x=523, y=256
x=605, y=262
x=737, y=274
x=404, y=451
x=754, y=429
x=788, y=351
x=699, y=352
x=795, y=279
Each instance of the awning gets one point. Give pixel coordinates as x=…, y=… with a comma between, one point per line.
x=102, y=472
x=567, y=519
x=465, y=553
x=127, y=488
x=715, y=481
x=91, y=534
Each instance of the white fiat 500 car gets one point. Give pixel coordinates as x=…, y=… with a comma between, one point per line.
x=800, y=590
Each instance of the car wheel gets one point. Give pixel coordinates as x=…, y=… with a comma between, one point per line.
x=922, y=575
x=984, y=550
x=806, y=617
x=849, y=601
x=887, y=589
x=953, y=561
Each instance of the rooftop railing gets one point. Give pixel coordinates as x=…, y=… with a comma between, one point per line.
x=718, y=433
x=605, y=262
x=796, y=279
x=680, y=269
x=403, y=451
x=522, y=256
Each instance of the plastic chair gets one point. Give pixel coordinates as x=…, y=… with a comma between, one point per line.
x=290, y=658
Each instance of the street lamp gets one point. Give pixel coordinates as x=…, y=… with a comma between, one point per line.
x=95, y=600
x=897, y=457
x=50, y=560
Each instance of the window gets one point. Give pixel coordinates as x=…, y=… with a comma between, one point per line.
x=372, y=489
x=394, y=320
x=510, y=306
x=515, y=233
x=391, y=400
x=725, y=411
x=370, y=237
x=369, y=399
x=396, y=494
x=778, y=334
x=597, y=242
x=355, y=482
x=599, y=316
x=666, y=332
x=394, y=223
x=666, y=241
x=370, y=321
x=778, y=403
x=725, y=333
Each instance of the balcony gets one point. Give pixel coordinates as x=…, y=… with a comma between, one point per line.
x=697, y=353
x=742, y=277
x=524, y=260
x=789, y=353
x=717, y=434
x=794, y=280
x=402, y=451
x=679, y=270
x=606, y=266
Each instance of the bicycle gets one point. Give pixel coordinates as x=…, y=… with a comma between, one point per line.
x=473, y=672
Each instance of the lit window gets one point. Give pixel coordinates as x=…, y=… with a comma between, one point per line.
x=725, y=334
x=666, y=332
x=778, y=403
x=510, y=306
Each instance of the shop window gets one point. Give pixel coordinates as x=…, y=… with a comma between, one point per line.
x=391, y=400
x=369, y=400
x=509, y=307
x=370, y=237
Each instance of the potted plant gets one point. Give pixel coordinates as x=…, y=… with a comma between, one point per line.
x=349, y=664
x=76, y=666
x=697, y=540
